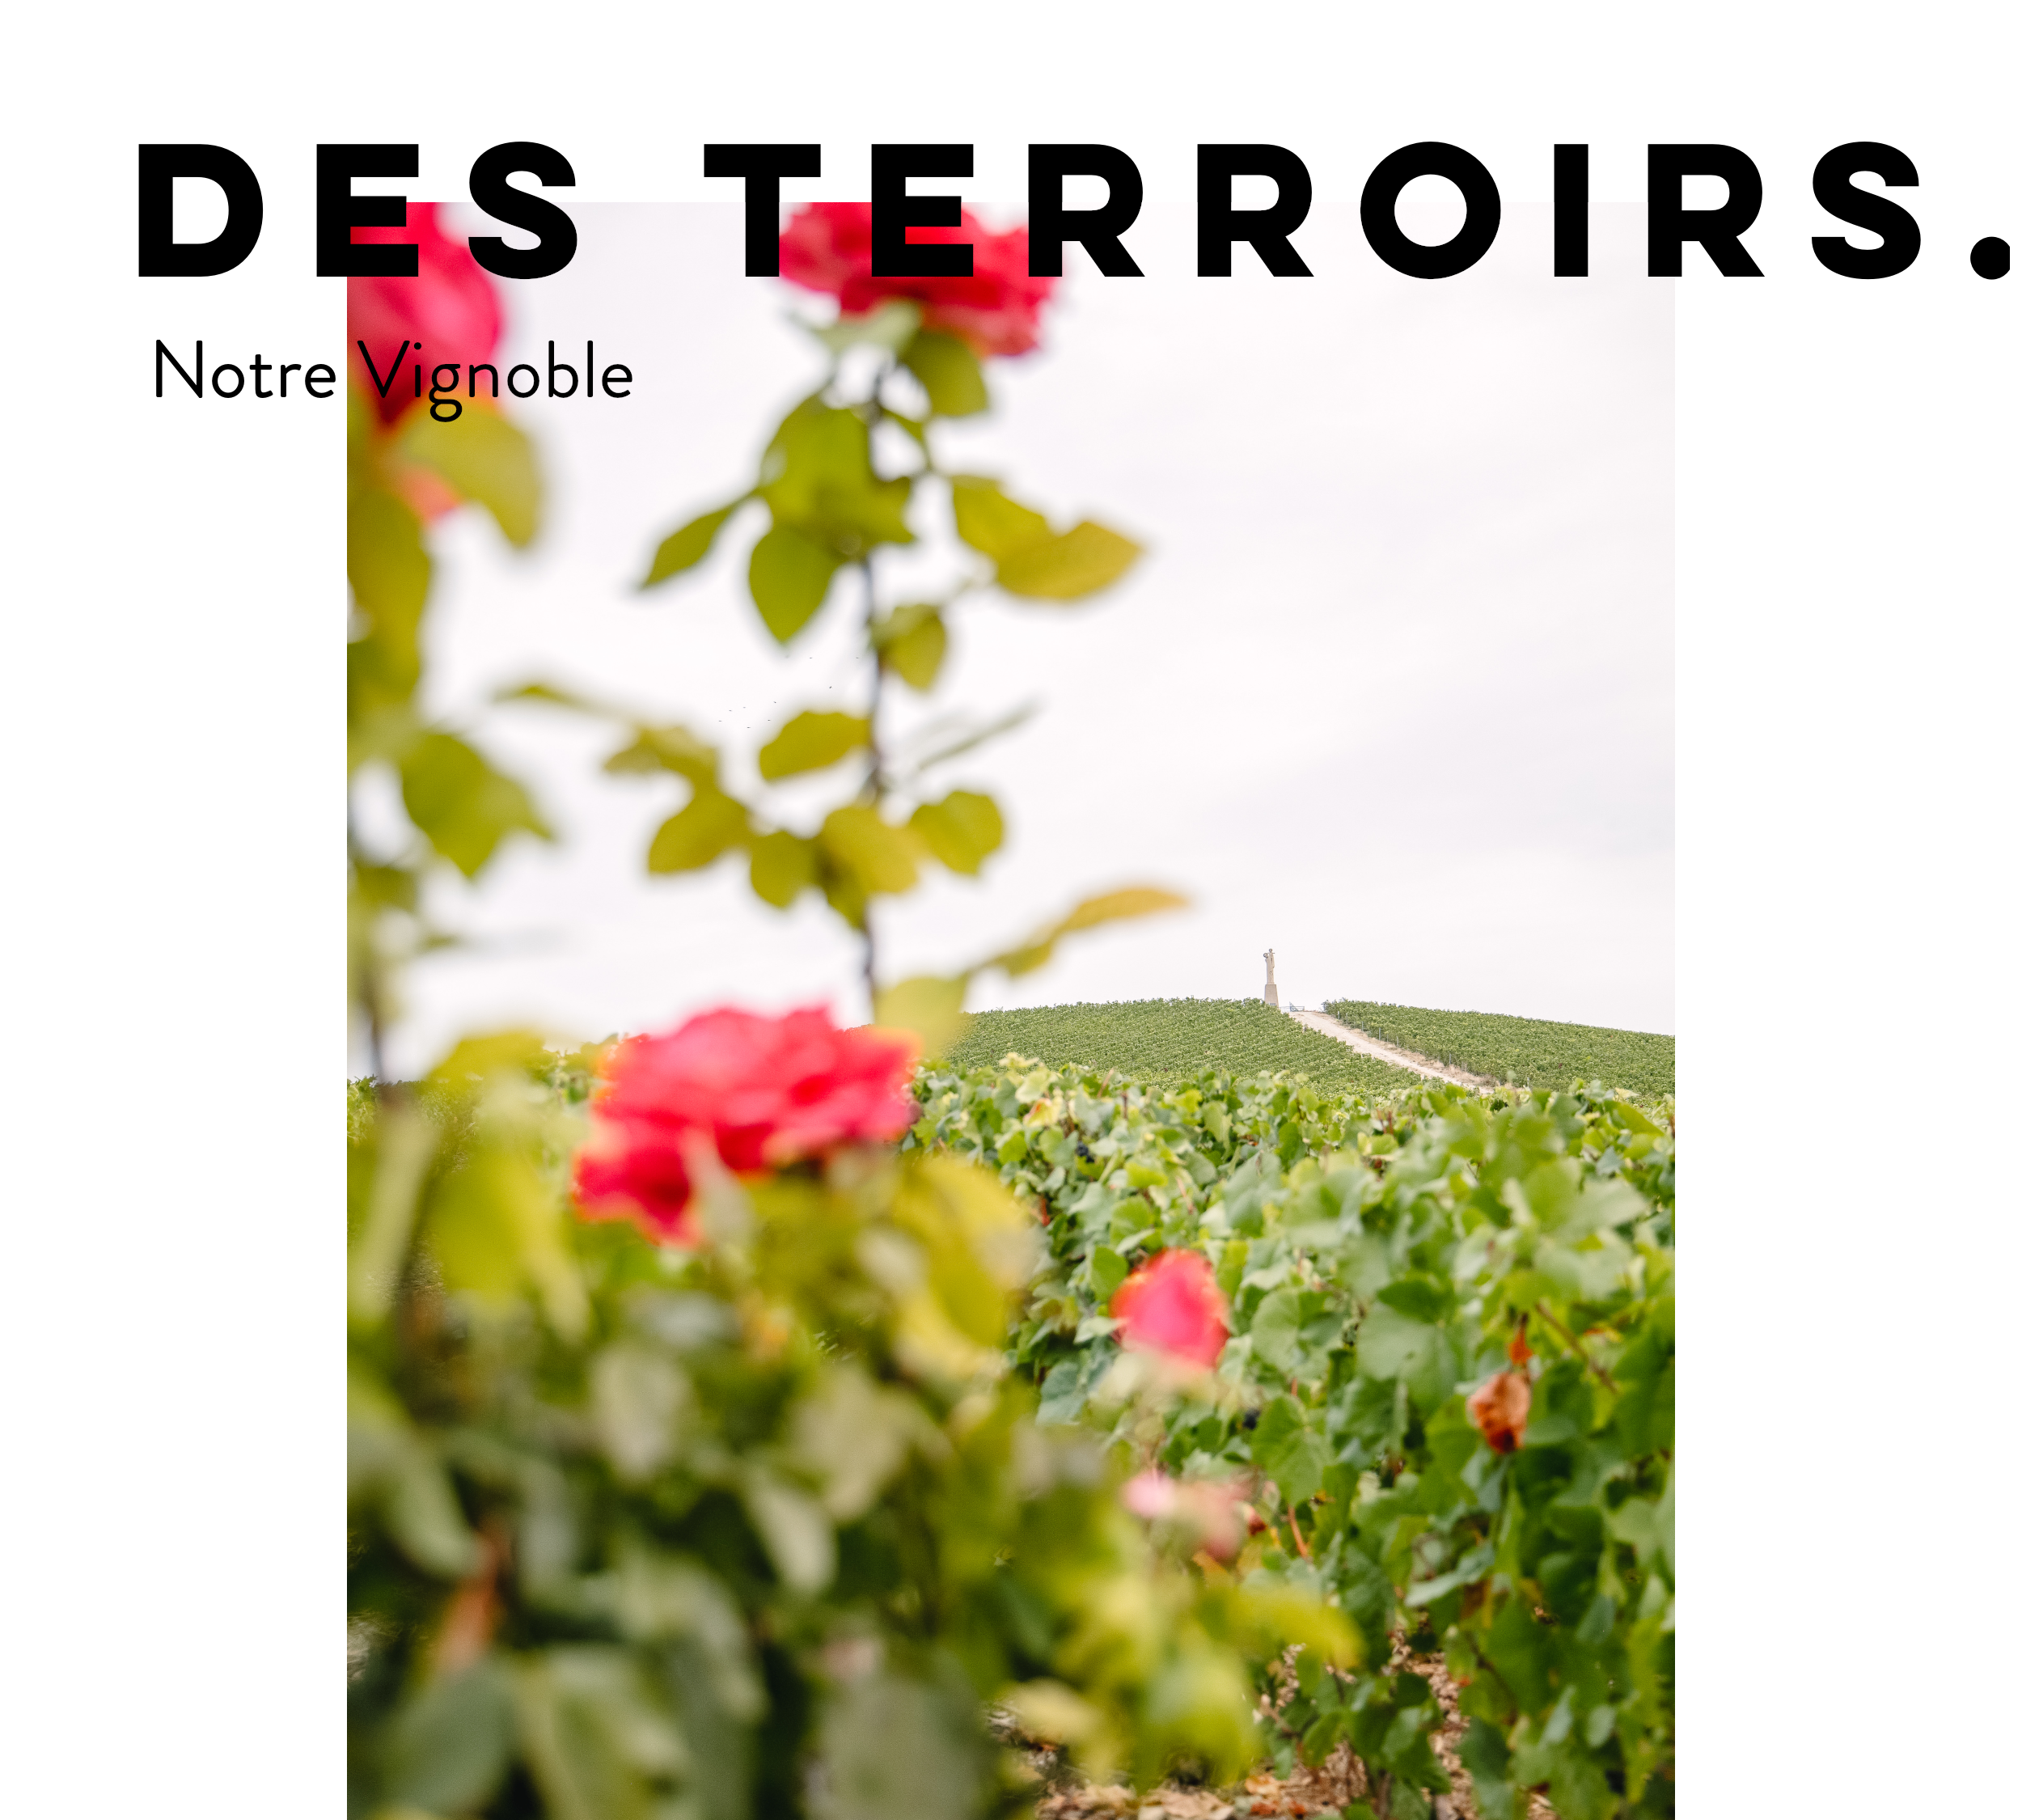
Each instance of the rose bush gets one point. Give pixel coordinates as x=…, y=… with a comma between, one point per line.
x=756, y=1093
x=827, y=247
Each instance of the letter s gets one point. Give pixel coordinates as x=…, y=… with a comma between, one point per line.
x=556, y=239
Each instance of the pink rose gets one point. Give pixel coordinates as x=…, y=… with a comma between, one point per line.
x=1172, y=1305
x=827, y=247
x=758, y=1093
x=1210, y=1511
x=447, y=311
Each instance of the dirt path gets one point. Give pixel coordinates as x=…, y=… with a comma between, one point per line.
x=1365, y=1044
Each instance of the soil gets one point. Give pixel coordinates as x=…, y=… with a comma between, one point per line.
x=1320, y=1793
x=1364, y=1043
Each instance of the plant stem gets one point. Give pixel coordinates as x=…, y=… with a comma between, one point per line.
x=1572, y=1340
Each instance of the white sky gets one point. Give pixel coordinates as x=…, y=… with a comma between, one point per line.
x=1392, y=692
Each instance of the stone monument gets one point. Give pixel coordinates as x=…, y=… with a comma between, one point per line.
x=1270, y=978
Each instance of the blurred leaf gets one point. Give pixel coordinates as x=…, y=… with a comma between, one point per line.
x=486, y=459
x=783, y=866
x=666, y=748
x=1065, y=568
x=495, y=1054
x=464, y=807
x=930, y=1008
x=1138, y=900
x=790, y=577
x=795, y=1530
x=389, y=569
x=407, y=1140
x=497, y=1227
x=890, y=1747
x=390, y=1459
x=1143, y=900
x=961, y=831
x=947, y=366
x=699, y=834
x=890, y=325
x=911, y=642
x=880, y=858
x=685, y=547
x=448, y=1747
x=639, y=1404
x=809, y=742
x=987, y=520
x=599, y=1744
x=853, y=1435
x=817, y=477
x=969, y=739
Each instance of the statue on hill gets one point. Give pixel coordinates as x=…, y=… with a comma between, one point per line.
x=1270, y=978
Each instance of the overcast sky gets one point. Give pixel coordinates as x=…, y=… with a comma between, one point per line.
x=1391, y=692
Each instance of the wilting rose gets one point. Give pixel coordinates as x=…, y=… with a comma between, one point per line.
x=448, y=311
x=753, y=1093
x=827, y=247
x=1211, y=1511
x=1501, y=1408
x=1172, y=1305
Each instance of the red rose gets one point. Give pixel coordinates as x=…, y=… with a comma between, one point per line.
x=1172, y=1305
x=447, y=311
x=827, y=247
x=1501, y=1408
x=759, y=1093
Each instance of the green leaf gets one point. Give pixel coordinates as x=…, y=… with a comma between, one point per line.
x=783, y=866
x=598, y=1741
x=684, y=548
x=817, y=477
x=961, y=831
x=987, y=521
x=795, y=1530
x=447, y=1749
x=389, y=570
x=947, y=366
x=789, y=577
x=811, y=742
x=485, y=458
x=1107, y=1271
x=912, y=642
x=1273, y=1330
x=892, y=324
x=880, y=858
x=666, y=748
x=699, y=834
x=1421, y=1297
x=463, y=806
x=1388, y=1344
x=1142, y=900
x=891, y=1746
x=930, y=1007
x=1087, y=558
x=1485, y=1756
x=1289, y=1452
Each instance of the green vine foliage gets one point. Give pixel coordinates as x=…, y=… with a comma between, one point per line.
x=1379, y=1266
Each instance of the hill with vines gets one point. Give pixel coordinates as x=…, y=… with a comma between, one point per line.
x=1161, y=1041
x=1529, y=1051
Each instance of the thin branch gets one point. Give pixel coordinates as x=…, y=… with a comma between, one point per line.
x=1573, y=1342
